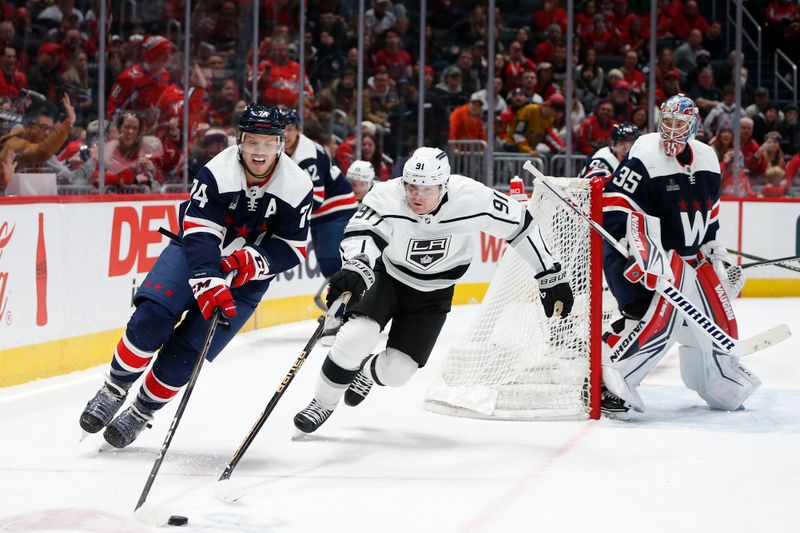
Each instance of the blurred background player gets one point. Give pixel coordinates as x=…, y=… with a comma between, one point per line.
x=334, y=202
x=605, y=161
x=247, y=211
x=404, y=250
x=361, y=175
x=664, y=199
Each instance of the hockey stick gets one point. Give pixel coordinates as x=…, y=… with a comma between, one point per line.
x=158, y=516
x=760, y=261
x=723, y=341
x=223, y=489
x=318, y=296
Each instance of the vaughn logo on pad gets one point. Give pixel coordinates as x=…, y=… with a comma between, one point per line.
x=427, y=252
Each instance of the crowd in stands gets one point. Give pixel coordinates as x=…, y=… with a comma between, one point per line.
x=50, y=66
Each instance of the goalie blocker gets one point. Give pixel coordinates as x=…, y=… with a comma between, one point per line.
x=635, y=344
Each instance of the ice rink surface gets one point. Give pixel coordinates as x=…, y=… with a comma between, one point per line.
x=391, y=466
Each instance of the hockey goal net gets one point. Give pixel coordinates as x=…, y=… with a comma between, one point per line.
x=515, y=363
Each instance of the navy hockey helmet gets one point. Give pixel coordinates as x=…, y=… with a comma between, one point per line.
x=262, y=119
x=624, y=131
x=291, y=116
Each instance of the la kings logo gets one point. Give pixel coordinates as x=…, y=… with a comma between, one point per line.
x=427, y=252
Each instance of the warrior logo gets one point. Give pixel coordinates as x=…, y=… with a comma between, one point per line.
x=427, y=252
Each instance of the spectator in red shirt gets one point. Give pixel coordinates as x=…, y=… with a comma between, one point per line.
x=545, y=87
x=466, y=122
x=516, y=64
x=620, y=20
x=396, y=60
x=749, y=147
x=621, y=100
x=11, y=78
x=599, y=38
x=544, y=50
x=595, y=131
x=635, y=38
x=793, y=171
x=633, y=75
x=584, y=21
x=280, y=76
x=687, y=20
x=139, y=87
x=547, y=15
x=129, y=160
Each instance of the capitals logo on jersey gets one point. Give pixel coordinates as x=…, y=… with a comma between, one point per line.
x=427, y=252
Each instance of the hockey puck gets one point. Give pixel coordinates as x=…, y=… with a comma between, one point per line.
x=177, y=520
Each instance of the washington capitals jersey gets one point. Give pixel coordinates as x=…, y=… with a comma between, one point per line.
x=431, y=252
x=600, y=162
x=223, y=214
x=333, y=195
x=682, y=192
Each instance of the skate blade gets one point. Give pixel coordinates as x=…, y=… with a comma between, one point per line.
x=300, y=436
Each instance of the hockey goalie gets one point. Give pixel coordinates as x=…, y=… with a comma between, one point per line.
x=663, y=204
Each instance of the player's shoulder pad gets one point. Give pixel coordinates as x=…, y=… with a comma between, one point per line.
x=705, y=158
x=606, y=155
x=386, y=197
x=290, y=183
x=227, y=170
x=646, y=146
x=306, y=149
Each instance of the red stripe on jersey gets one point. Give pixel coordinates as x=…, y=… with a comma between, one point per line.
x=189, y=225
x=156, y=389
x=618, y=201
x=715, y=211
x=303, y=251
x=349, y=200
x=124, y=354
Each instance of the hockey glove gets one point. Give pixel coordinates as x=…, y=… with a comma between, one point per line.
x=647, y=261
x=555, y=291
x=355, y=276
x=210, y=293
x=249, y=265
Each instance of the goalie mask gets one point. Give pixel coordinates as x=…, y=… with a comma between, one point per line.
x=678, y=121
x=425, y=176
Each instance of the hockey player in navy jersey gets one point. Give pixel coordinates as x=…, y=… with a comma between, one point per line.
x=605, y=161
x=247, y=212
x=334, y=202
x=403, y=251
x=664, y=201
x=361, y=175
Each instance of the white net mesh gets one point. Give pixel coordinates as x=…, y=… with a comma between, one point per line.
x=515, y=363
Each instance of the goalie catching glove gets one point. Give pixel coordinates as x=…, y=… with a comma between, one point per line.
x=249, y=265
x=355, y=277
x=555, y=291
x=212, y=292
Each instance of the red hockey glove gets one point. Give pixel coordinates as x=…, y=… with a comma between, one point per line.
x=210, y=293
x=249, y=265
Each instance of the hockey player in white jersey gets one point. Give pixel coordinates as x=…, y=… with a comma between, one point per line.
x=664, y=201
x=403, y=252
x=361, y=175
x=605, y=161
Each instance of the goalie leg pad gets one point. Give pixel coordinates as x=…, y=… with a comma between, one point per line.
x=634, y=347
x=719, y=379
x=391, y=367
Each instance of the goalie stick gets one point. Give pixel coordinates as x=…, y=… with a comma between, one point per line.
x=723, y=341
x=223, y=489
x=760, y=261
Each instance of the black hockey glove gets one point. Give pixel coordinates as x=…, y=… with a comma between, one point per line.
x=355, y=277
x=555, y=291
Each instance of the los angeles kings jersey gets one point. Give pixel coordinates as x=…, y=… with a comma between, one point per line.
x=602, y=161
x=682, y=192
x=224, y=214
x=431, y=252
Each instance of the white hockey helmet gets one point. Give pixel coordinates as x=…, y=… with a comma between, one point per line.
x=427, y=166
x=361, y=171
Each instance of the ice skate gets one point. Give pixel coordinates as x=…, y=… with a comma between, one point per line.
x=101, y=409
x=127, y=426
x=613, y=407
x=358, y=389
x=312, y=417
